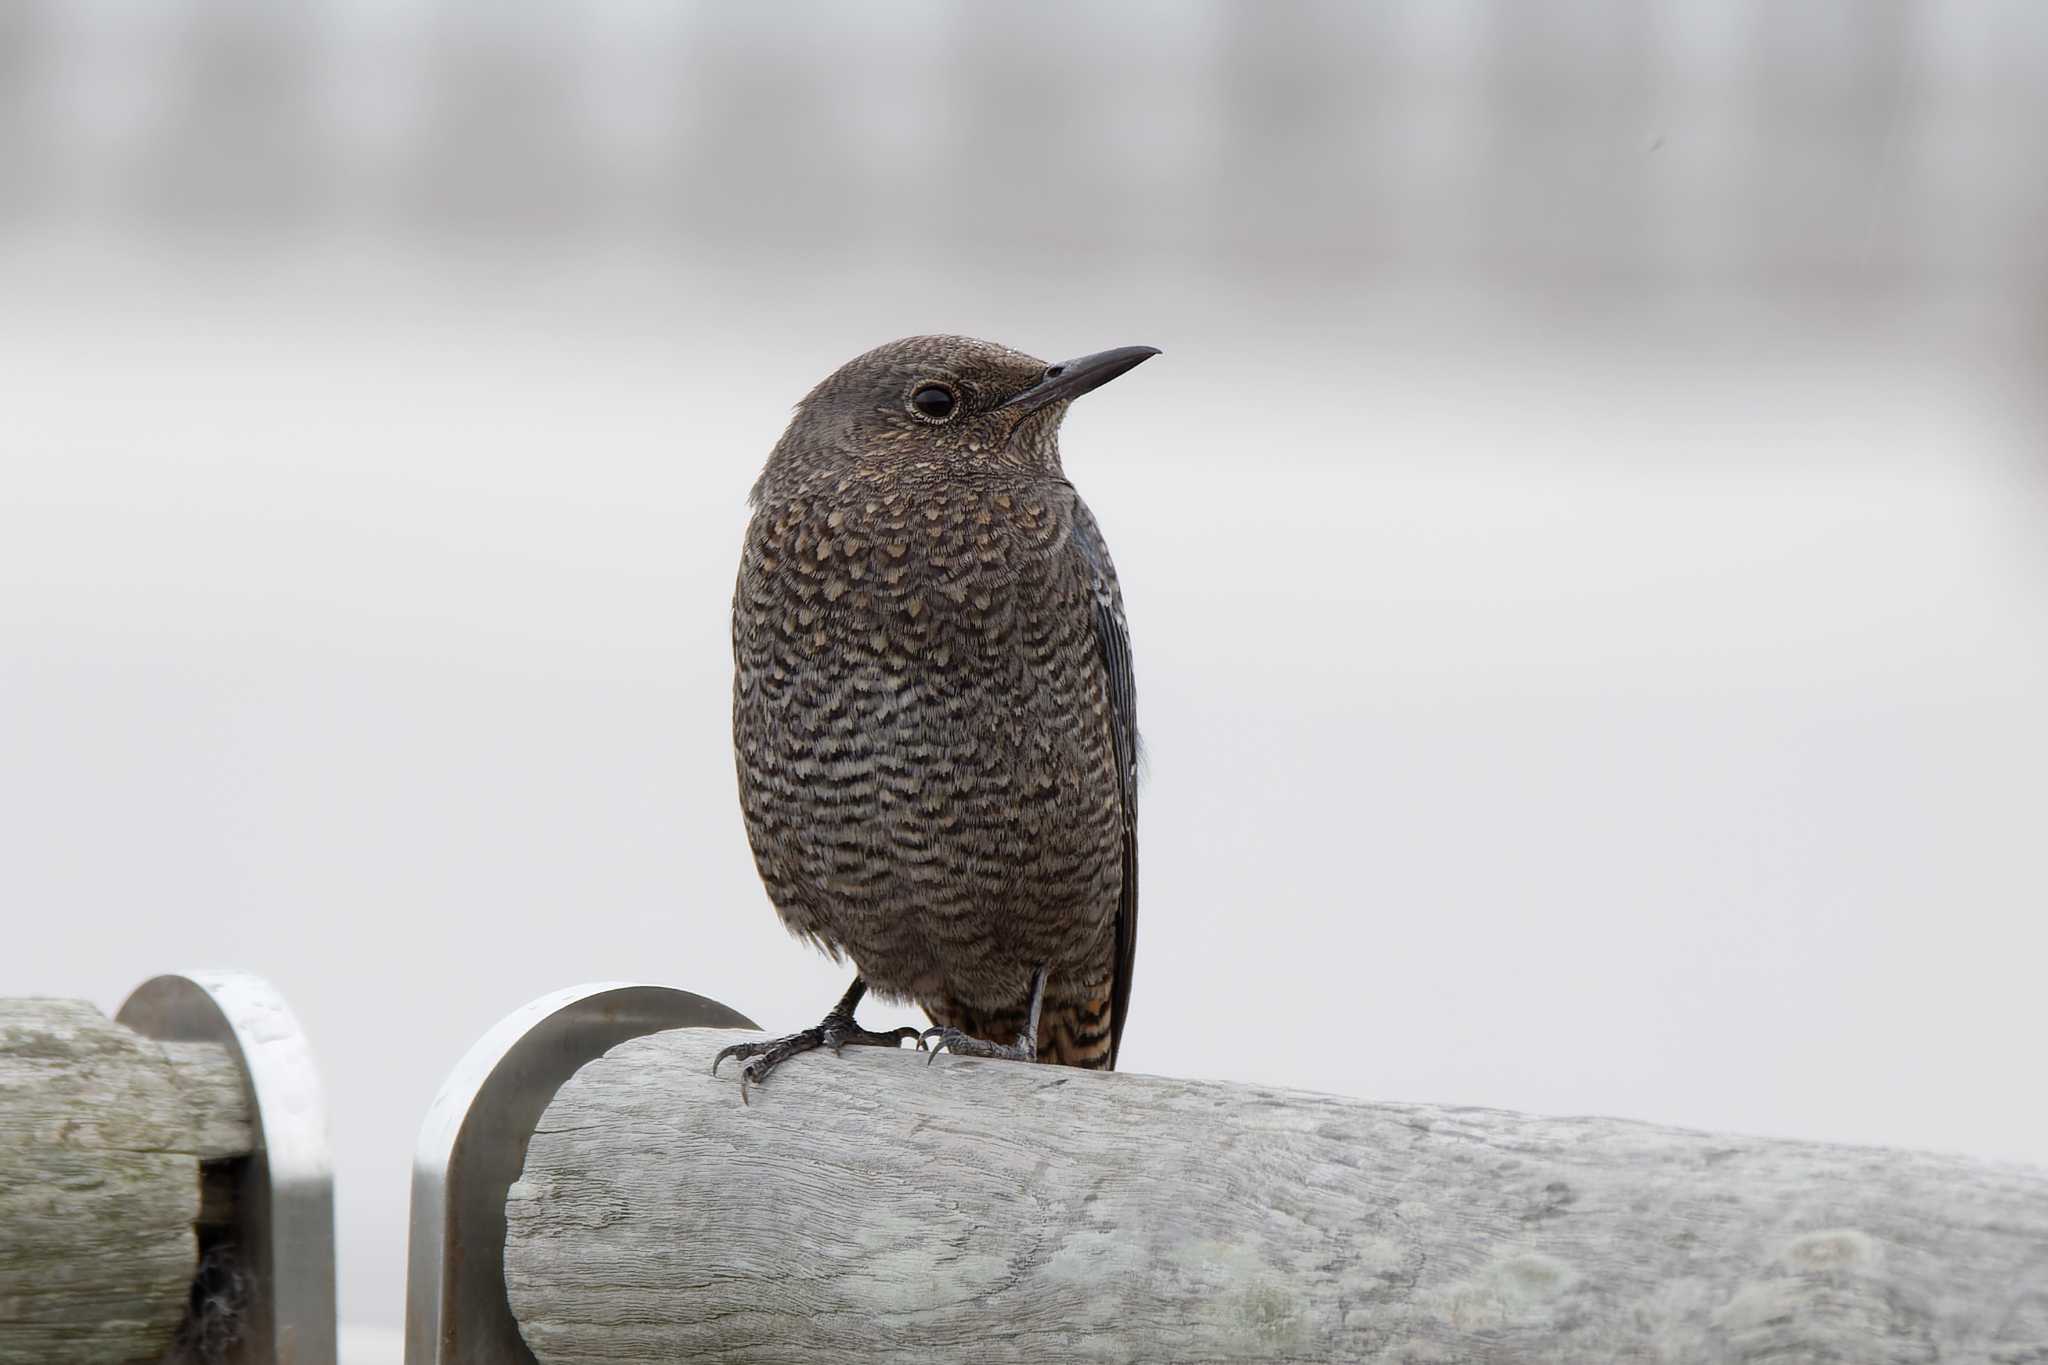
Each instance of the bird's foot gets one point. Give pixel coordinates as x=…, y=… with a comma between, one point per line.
x=1025, y=1049
x=837, y=1031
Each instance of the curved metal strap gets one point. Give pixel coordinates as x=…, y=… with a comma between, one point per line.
x=473, y=1145
x=284, y=1194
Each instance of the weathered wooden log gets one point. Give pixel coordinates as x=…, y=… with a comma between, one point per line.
x=866, y=1208
x=103, y=1134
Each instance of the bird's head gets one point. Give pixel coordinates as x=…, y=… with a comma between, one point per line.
x=942, y=405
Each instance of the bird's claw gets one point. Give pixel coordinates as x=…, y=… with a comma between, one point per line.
x=763, y=1055
x=753, y=1049
x=837, y=1037
x=967, y=1045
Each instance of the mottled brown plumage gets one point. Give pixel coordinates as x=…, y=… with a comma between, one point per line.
x=933, y=712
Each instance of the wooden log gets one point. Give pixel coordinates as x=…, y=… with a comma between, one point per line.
x=866, y=1208
x=102, y=1136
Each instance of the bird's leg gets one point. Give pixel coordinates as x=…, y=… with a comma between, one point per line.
x=836, y=1031
x=1025, y=1049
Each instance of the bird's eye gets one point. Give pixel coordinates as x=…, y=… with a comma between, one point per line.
x=934, y=402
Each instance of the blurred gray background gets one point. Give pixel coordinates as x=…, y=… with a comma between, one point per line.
x=1582, y=539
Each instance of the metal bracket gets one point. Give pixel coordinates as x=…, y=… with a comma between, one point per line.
x=284, y=1193
x=473, y=1145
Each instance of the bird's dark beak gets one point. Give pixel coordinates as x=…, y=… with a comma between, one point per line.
x=1072, y=378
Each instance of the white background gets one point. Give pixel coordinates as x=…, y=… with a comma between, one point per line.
x=1582, y=540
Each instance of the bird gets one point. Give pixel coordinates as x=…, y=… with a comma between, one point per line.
x=934, y=711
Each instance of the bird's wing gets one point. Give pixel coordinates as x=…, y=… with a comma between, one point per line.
x=1113, y=637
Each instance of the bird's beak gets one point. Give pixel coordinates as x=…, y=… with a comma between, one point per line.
x=1072, y=378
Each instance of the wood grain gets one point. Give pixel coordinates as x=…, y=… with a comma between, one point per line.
x=102, y=1133
x=866, y=1208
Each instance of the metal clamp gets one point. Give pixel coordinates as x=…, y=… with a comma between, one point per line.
x=473, y=1145
x=284, y=1190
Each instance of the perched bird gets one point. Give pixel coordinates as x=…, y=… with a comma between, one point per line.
x=933, y=711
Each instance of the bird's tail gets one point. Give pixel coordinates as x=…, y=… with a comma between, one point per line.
x=1071, y=1032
